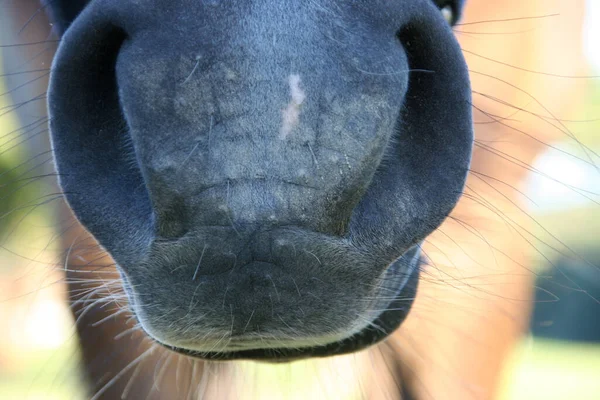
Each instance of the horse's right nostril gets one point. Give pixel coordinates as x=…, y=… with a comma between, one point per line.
x=97, y=165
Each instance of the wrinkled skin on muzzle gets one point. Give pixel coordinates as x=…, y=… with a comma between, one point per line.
x=262, y=172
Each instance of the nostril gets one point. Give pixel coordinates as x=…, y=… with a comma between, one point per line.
x=96, y=163
x=427, y=162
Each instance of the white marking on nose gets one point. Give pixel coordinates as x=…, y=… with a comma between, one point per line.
x=291, y=115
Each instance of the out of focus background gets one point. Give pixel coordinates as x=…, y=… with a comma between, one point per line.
x=549, y=52
x=560, y=358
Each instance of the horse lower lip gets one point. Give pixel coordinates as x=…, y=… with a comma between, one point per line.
x=386, y=322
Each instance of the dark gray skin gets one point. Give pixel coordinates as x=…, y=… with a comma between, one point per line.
x=262, y=171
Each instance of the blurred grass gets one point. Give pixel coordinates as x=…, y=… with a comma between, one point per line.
x=542, y=369
x=578, y=227
x=44, y=374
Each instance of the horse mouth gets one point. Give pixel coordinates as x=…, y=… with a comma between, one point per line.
x=384, y=324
